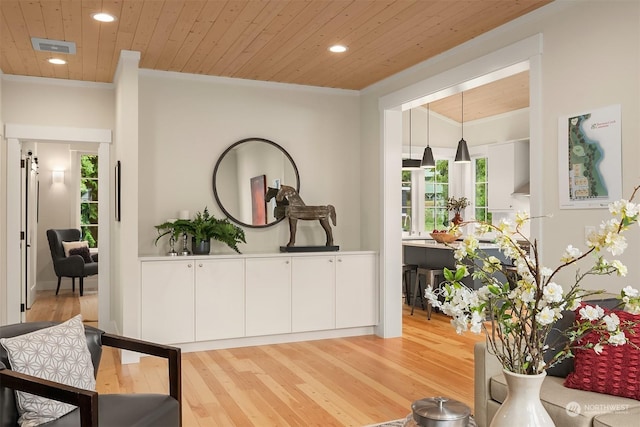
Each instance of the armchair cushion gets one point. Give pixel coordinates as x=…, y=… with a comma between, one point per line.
x=140, y=410
x=58, y=353
x=68, y=246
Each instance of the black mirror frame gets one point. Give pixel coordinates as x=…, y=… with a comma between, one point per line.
x=215, y=171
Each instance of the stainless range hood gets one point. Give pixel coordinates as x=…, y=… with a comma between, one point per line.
x=522, y=190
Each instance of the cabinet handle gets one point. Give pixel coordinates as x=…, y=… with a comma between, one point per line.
x=200, y=265
x=330, y=260
x=286, y=262
x=339, y=259
x=189, y=265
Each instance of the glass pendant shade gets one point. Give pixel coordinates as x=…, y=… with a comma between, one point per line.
x=462, y=153
x=427, y=157
x=409, y=164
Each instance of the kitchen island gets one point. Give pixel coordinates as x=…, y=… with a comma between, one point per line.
x=428, y=253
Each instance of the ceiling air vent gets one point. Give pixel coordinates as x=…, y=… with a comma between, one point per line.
x=57, y=46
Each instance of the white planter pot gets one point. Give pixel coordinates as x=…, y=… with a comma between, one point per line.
x=522, y=407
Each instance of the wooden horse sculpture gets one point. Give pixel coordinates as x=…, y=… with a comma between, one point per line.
x=289, y=204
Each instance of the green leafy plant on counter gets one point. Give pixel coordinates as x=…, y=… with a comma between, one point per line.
x=203, y=227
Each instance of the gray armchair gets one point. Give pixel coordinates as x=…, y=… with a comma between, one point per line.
x=72, y=266
x=106, y=410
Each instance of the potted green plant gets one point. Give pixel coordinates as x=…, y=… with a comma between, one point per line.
x=202, y=228
x=456, y=205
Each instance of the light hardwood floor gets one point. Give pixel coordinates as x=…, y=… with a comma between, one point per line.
x=338, y=382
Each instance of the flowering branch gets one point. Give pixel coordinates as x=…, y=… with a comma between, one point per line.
x=521, y=312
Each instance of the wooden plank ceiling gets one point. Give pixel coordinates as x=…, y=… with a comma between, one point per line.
x=501, y=96
x=269, y=40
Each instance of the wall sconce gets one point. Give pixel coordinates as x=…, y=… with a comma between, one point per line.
x=57, y=177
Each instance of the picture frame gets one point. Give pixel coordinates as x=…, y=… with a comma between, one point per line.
x=118, y=177
x=590, y=158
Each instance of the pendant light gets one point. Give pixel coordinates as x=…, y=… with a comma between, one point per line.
x=427, y=158
x=408, y=164
x=462, y=153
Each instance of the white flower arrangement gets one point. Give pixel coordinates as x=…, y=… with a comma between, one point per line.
x=517, y=319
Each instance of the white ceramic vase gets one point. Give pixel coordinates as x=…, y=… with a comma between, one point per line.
x=522, y=407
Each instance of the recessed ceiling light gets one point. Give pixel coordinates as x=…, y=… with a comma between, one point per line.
x=57, y=61
x=103, y=17
x=338, y=48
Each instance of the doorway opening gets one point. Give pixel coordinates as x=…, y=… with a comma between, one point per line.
x=496, y=65
x=78, y=139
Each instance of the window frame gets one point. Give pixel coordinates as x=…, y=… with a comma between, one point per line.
x=79, y=199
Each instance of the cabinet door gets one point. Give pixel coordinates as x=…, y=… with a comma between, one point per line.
x=313, y=293
x=501, y=176
x=356, y=291
x=219, y=299
x=167, y=302
x=268, y=296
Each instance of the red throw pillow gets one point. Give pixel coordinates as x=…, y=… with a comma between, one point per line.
x=615, y=371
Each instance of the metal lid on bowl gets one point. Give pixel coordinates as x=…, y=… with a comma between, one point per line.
x=439, y=408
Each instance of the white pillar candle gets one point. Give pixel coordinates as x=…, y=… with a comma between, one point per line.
x=184, y=214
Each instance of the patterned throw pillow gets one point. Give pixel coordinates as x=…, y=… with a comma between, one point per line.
x=59, y=354
x=83, y=252
x=615, y=371
x=67, y=246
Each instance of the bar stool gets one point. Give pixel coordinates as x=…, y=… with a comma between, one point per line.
x=407, y=271
x=430, y=275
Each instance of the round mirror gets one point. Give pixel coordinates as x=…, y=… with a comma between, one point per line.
x=243, y=175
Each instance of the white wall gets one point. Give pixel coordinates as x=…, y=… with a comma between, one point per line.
x=186, y=122
x=47, y=102
x=54, y=102
x=445, y=133
x=54, y=204
x=3, y=219
x=590, y=60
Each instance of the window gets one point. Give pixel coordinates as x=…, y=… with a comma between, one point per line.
x=436, y=193
x=89, y=199
x=481, y=195
x=406, y=201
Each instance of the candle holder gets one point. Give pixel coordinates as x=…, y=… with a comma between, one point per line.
x=185, y=251
x=172, y=242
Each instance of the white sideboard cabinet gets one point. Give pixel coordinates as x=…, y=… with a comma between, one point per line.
x=232, y=299
x=192, y=300
x=268, y=290
x=167, y=302
x=313, y=293
x=356, y=291
x=219, y=299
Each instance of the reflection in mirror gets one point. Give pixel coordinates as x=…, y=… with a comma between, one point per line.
x=243, y=174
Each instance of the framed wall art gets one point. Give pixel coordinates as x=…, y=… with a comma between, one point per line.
x=590, y=158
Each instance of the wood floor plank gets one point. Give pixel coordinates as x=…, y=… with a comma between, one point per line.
x=351, y=381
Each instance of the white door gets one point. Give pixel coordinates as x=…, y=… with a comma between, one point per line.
x=28, y=231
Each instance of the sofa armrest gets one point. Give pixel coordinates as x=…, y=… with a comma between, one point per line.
x=172, y=354
x=85, y=400
x=486, y=365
